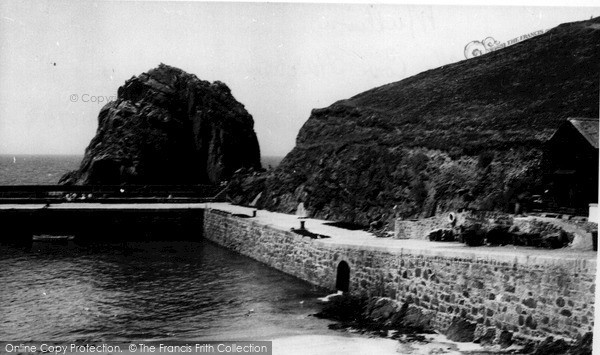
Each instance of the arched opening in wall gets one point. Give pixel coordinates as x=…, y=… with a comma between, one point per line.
x=342, y=281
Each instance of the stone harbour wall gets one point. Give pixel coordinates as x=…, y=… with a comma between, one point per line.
x=531, y=297
x=283, y=250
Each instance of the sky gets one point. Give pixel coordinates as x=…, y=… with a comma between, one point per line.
x=61, y=61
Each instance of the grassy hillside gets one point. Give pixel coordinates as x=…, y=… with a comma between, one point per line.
x=469, y=134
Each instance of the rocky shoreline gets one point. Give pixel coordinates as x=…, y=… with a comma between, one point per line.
x=412, y=328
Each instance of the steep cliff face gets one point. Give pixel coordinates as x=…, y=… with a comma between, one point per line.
x=467, y=134
x=169, y=127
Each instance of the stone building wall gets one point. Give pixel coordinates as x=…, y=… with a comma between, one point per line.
x=419, y=229
x=531, y=297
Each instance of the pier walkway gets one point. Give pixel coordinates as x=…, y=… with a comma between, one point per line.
x=531, y=293
x=97, y=222
x=53, y=194
x=82, y=216
x=360, y=239
x=90, y=206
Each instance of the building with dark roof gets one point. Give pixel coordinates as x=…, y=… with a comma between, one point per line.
x=571, y=162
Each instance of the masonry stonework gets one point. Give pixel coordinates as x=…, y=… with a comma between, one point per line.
x=419, y=229
x=531, y=297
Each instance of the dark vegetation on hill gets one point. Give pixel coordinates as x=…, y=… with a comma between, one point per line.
x=169, y=127
x=468, y=134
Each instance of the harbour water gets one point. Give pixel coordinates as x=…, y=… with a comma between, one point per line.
x=150, y=291
x=155, y=290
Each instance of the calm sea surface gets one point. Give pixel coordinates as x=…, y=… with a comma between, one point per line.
x=155, y=290
x=35, y=169
x=47, y=169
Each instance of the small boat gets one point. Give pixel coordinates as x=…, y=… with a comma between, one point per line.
x=52, y=238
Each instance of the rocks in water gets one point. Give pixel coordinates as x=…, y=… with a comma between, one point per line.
x=461, y=330
x=413, y=319
x=551, y=346
x=383, y=316
x=487, y=337
x=505, y=339
x=377, y=314
x=382, y=309
x=169, y=127
x=583, y=346
x=393, y=315
x=344, y=308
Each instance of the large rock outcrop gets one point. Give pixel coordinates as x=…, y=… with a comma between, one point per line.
x=468, y=134
x=169, y=127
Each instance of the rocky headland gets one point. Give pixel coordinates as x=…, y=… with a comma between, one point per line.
x=169, y=127
x=465, y=135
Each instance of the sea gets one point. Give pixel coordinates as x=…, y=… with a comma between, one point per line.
x=160, y=290
x=36, y=169
x=47, y=169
